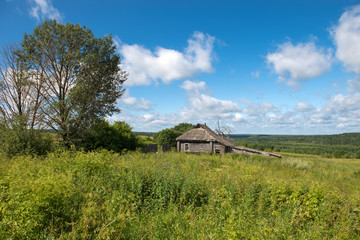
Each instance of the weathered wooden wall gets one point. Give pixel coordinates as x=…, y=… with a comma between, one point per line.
x=196, y=147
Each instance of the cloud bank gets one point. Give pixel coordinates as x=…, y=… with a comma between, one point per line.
x=146, y=67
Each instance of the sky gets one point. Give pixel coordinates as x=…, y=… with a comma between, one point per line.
x=257, y=66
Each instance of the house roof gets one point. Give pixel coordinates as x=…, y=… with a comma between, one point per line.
x=202, y=133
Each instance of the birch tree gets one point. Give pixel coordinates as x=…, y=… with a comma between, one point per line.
x=20, y=97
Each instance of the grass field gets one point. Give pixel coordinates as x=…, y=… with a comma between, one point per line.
x=102, y=195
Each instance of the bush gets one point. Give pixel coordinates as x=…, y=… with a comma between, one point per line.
x=17, y=140
x=169, y=135
x=340, y=154
x=115, y=137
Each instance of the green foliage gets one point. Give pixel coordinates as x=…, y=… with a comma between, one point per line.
x=357, y=155
x=116, y=137
x=183, y=127
x=16, y=139
x=169, y=135
x=101, y=195
x=79, y=75
x=340, y=154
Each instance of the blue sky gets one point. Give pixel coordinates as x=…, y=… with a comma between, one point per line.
x=258, y=66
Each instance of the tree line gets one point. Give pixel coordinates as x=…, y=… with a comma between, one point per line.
x=346, y=145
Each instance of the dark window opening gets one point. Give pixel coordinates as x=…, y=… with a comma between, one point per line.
x=186, y=147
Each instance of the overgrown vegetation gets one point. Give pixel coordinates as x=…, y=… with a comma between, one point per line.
x=16, y=140
x=101, y=195
x=114, y=137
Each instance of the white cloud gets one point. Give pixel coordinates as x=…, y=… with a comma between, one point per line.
x=145, y=67
x=259, y=109
x=42, y=9
x=295, y=63
x=344, y=105
x=303, y=107
x=203, y=106
x=340, y=114
x=346, y=36
x=193, y=86
x=134, y=103
x=354, y=85
x=239, y=118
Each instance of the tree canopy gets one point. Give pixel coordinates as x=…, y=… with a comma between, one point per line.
x=115, y=137
x=169, y=135
x=79, y=75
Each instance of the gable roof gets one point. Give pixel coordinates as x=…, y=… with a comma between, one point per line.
x=201, y=133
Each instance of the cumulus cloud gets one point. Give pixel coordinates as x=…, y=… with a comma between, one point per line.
x=303, y=107
x=344, y=105
x=346, y=36
x=42, y=9
x=259, y=109
x=341, y=113
x=145, y=67
x=203, y=106
x=195, y=88
x=295, y=63
x=239, y=118
x=134, y=103
x=354, y=85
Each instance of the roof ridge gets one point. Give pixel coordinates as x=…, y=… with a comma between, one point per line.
x=214, y=135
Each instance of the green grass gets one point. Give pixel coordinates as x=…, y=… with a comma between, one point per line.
x=101, y=195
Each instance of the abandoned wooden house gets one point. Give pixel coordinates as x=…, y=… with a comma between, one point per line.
x=201, y=139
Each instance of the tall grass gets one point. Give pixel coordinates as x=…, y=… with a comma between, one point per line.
x=101, y=195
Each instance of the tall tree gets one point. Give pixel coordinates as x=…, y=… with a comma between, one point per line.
x=80, y=74
x=19, y=91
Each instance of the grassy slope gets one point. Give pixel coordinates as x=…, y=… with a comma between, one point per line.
x=176, y=196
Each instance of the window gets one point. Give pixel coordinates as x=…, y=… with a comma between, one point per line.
x=186, y=147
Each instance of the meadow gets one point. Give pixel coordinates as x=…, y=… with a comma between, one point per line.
x=104, y=195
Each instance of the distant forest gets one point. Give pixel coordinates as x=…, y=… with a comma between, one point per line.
x=346, y=145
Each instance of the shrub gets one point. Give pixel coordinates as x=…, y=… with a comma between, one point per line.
x=115, y=137
x=17, y=140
